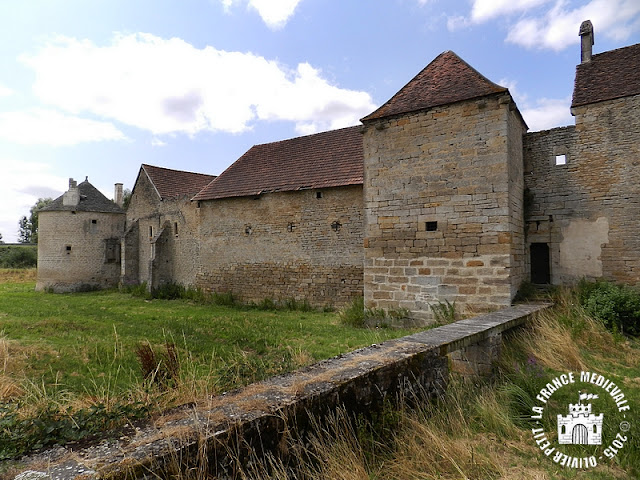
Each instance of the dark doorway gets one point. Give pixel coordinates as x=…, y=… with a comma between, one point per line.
x=540, y=268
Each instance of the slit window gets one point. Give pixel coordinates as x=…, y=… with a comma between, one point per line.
x=175, y=228
x=561, y=159
x=150, y=231
x=432, y=226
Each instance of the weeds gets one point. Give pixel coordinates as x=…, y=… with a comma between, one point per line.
x=355, y=314
x=444, y=312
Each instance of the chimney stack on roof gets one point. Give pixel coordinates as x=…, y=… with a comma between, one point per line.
x=72, y=196
x=586, y=47
x=119, y=195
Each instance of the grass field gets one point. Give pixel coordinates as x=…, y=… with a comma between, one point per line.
x=75, y=351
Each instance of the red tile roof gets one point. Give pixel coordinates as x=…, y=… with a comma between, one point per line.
x=175, y=183
x=328, y=159
x=447, y=79
x=609, y=75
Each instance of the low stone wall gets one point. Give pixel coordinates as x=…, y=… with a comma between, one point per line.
x=259, y=418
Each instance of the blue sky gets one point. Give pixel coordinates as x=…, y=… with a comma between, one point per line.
x=97, y=87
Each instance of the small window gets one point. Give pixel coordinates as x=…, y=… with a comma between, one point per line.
x=248, y=230
x=432, y=226
x=175, y=228
x=561, y=159
x=150, y=231
x=68, y=249
x=318, y=194
x=94, y=221
x=291, y=226
x=335, y=226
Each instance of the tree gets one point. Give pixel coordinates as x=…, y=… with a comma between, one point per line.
x=126, y=198
x=28, y=227
x=1, y=242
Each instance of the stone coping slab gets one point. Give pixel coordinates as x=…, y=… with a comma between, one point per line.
x=256, y=419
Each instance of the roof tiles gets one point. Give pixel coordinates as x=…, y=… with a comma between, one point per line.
x=175, y=183
x=609, y=75
x=91, y=200
x=447, y=79
x=328, y=159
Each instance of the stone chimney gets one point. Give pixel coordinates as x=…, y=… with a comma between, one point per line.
x=71, y=197
x=119, y=195
x=586, y=33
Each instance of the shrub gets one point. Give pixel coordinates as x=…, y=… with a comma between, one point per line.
x=18, y=256
x=617, y=306
x=353, y=314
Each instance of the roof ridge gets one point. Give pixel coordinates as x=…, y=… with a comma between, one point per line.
x=176, y=170
x=306, y=136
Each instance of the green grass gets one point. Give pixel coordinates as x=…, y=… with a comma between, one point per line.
x=84, y=343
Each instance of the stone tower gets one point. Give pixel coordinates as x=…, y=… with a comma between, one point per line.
x=443, y=193
x=79, y=241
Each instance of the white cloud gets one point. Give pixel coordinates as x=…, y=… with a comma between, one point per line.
x=5, y=91
x=484, y=10
x=553, y=24
x=169, y=86
x=558, y=27
x=23, y=183
x=275, y=13
x=542, y=113
x=49, y=127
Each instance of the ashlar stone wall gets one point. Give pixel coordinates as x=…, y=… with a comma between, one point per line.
x=443, y=202
x=303, y=245
x=78, y=250
x=586, y=210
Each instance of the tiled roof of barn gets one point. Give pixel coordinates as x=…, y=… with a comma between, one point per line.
x=176, y=183
x=609, y=75
x=322, y=160
x=91, y=200
x=447, y=79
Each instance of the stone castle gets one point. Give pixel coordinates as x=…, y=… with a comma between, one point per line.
x=440, y=195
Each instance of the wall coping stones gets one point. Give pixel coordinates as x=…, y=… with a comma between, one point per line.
x=257, y=418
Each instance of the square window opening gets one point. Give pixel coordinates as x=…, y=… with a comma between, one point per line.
x=318, y=194
x=561, y=159
x=432, y=226
x=68, y=249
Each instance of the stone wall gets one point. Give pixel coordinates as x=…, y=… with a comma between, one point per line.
x=172, y=221
x=586, y=211
x=443, y=218
x=303, y=245
x=78, y=250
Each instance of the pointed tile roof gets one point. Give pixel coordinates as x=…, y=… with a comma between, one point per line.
x=609, y=75
x=91, y=200
x=447, y=79
x=328, y=159
x=175, y=183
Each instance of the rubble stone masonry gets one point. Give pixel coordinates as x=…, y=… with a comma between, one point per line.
x=303, y=245
x=587, y=210
x=443, y=203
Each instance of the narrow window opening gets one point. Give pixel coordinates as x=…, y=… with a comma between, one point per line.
x=175, y=228
x=68, y=249
x=432, y=226
x=150, y=231
x=318, y=194
x=561, y=159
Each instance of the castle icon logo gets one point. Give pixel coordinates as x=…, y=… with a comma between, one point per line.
x=581, y=426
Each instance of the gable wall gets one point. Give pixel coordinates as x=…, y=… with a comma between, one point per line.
x=247, y=247
x=448, y=165
x=176, y=257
